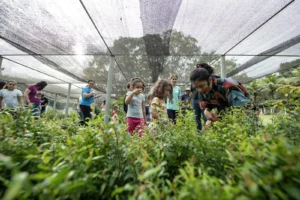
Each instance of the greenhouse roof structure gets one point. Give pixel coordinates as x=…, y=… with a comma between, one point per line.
x=71, y=41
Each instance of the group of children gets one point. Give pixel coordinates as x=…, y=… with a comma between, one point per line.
x=210, y=92
x=163, y=104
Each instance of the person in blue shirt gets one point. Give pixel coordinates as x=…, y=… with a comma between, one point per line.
x=87, y=98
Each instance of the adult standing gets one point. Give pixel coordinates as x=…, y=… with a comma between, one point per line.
x=173, y=105
x=87, y=98
x=10, y=97
x=186, y=101
x=32, y=95
x=44, y=103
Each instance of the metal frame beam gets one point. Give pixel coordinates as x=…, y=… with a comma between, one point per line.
x=175, y=55
x=111, y=53
x=68, y=100
x=284, y=7
x=274, y=50
x=49, y=63
x=223, y=67
x=109, y=89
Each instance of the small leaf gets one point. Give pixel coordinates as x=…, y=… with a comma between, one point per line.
x=15, y=186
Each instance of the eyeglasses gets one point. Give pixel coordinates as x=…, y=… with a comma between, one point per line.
x=201, y=86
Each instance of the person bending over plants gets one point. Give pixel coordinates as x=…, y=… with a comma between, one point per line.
x=218, y=93
x=158, y=111
x=32, y=96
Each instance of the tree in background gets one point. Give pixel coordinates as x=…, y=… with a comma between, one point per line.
x=151, y=57
x=272, y=83
x=148, y=57
x=254, y=89
x=286, y=69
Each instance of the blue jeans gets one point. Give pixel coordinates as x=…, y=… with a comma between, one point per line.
x=198, y=112
x=36, y=110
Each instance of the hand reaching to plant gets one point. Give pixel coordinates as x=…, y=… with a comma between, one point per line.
x=210, y=115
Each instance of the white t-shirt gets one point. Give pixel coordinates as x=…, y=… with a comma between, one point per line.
x=10, y=98
x=135, y=109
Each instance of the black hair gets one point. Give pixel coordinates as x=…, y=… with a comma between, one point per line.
x=91, y=81
x=2, y=84
x=205, y=66
x=200, y=74
x=136, y=80
x=41, y=85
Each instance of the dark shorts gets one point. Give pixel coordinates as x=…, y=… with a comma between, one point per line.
x=172, y=114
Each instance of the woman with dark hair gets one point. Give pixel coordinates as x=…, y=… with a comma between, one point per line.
x=196, y=106
x=215, y=92
x=32, y=95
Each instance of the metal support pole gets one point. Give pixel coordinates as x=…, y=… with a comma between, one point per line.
x=54, y=105
x=109, y=88
x=223, y=73
x=1, y=58
x=68, y=100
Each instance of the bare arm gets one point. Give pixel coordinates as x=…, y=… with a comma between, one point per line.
x=129, y=97
x=26, y=93
x=210, y=116
x=144, y=111
x=86, y=95
x=1, y=102
x=21, y=101
x=153, y=111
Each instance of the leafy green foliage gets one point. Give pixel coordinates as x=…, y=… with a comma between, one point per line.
x=235, y=159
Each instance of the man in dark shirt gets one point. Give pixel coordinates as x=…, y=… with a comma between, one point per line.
x=44, y=103
x=186, y=100
x=198, y=112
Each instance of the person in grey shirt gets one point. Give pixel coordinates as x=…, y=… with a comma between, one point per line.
x=136, y=115
x=10, y=97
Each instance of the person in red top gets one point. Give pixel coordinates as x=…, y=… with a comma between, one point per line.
x=114, y=116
